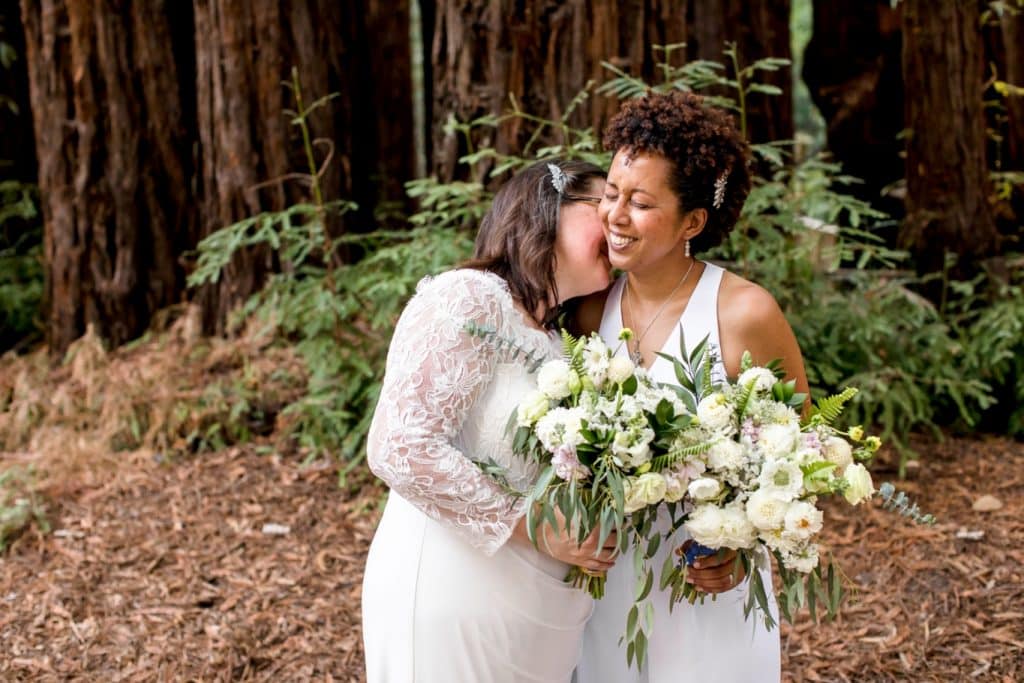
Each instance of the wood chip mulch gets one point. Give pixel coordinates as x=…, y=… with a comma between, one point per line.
x=241, y=566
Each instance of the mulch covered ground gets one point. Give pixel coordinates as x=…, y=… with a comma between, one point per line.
x=240, y=566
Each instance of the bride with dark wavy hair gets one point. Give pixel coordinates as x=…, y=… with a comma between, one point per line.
x=453, y=590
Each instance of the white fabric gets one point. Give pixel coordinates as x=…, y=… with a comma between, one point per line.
x=709, y=643
x=446, y=596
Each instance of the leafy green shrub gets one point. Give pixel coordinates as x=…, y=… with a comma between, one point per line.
x=21, y=268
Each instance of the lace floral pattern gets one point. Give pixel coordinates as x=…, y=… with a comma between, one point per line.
x=435, y=376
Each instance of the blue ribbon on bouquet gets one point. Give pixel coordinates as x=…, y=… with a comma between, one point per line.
x=695, y=551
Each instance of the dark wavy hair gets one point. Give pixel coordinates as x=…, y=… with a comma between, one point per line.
x=701, y=142
x=517, y=235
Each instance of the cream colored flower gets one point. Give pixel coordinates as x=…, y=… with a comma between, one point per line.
x=837, y=451
x=763, y=378
x=860, y=486
x=555, y=379
x=766, y=509
x=704, y=488
x=647, y=489
x=533, y=407
x=715, y=412
x=620, y=369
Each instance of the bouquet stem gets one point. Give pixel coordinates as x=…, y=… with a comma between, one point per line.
x=592, y=582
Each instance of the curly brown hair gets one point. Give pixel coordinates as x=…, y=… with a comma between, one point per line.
x=701, y=142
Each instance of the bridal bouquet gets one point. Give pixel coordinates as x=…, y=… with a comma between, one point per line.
x=607, y=440
x=757, y=485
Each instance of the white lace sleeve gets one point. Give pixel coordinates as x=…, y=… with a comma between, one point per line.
x=435, y=372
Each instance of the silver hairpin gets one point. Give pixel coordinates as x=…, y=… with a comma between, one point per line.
x=720, y=190
x=559, y=180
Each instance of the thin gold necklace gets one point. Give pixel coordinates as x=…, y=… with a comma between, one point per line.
x=635, y=355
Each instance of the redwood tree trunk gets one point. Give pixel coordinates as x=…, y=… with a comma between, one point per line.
x=113, y=157
x=247, y=144
x=760, y=28
x=542, y=52
x=947, y=175
x=853, y=69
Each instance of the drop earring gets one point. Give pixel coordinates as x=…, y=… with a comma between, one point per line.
x=686, y=249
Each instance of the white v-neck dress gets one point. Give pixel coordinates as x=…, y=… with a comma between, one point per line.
x=709, y=643
x=448, y=595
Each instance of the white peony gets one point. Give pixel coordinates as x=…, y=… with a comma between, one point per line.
x=715, y=412
x=778, y=440
x=727, y=455
x=837, y=451
x=533, y=407
x=647, y=489
x=803, y=520
x=766, y=509
x=620, y=369
x=556, y=379
x=782, y=476
x=763, y=378
x=860, y=485
x=717, y=527
x=704, y=488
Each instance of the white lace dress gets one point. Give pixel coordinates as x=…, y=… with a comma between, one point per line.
x=448, y=596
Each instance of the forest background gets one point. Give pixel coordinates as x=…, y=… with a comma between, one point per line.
x=212, y=212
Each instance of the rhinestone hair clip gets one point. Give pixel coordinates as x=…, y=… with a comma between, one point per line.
x=720, y=190
x=559, y=180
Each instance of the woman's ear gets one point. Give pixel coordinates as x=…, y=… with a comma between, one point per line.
x=694, y=222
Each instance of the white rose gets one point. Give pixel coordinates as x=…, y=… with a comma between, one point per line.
x=717, y=527
x=555, y=379
x=766, y=509
x=534, y=407
x=647, y=489
x=803, y=520
x=783, y=477
x=704, y=488
x=675, y=486
x=860, y=485
x=595, y=362
x=726, y=454
x=777, y=440
x=837, y=451
x=620, y=369
x=715, y=412
x=763, y=378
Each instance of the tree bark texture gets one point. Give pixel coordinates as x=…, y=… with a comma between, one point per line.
x=946, y=170
x=113, y=153
x=760, y=28
x=543, y=52
x=853, y=69
x=248, y=147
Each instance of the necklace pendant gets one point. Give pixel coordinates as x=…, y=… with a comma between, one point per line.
x=637, y=357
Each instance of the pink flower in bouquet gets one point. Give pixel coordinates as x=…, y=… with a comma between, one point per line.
x=567, y=465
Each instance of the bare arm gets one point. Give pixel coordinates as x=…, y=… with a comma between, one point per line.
x=750, y=319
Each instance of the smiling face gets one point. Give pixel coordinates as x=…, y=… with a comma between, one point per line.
x=644, y=225
x=581, y=253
